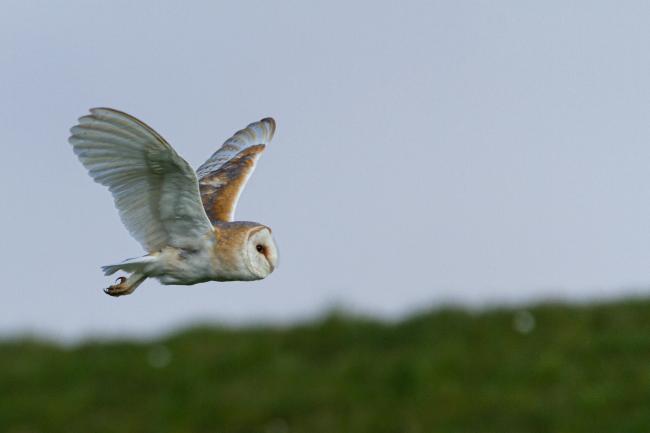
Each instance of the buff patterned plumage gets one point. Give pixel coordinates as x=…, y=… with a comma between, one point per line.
x=184, y=220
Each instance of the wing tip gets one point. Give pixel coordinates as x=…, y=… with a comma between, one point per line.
x=96, y=112
x=271, y=122
x=267, y=124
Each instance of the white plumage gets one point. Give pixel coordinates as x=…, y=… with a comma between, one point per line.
x=184, y=225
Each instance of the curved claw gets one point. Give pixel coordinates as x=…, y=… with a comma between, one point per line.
x=119, y=288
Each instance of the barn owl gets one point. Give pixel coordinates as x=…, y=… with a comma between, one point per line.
x=184, y=220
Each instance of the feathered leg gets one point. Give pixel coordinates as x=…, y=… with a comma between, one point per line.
x=125, y=286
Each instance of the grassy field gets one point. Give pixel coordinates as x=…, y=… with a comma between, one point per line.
x=552, y=368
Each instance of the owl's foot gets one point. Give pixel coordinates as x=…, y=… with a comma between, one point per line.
x=125, y=286
x=120, y=288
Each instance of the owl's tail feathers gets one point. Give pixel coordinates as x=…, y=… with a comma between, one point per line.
x=138, y=264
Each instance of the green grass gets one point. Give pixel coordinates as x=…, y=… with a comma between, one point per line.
x=581, y=369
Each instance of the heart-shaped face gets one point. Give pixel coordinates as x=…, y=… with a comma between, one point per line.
x=261, y=252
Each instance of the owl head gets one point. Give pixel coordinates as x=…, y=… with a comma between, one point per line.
x=245, y=250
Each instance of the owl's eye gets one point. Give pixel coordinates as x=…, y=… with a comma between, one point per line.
x=259, y=248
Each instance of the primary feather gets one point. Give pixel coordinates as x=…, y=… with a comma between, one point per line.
x=155, y=190
x=168, y=210
x=223, y=176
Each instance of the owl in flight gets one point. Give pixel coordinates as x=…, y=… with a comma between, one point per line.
x=184, y=220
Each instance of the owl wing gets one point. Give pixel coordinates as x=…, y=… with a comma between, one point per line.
x=223, y=176
x=155, y=190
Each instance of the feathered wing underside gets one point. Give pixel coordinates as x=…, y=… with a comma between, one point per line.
x=155, y=190
x=224, y=175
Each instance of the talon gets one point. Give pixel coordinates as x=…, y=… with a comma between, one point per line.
x=117, y=289
x=124, y=286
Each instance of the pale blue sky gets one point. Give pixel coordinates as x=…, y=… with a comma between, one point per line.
x=426, y=152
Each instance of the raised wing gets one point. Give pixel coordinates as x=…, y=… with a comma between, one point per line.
x=156, y=191
x=223, y=176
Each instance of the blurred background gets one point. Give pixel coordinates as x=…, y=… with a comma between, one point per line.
x=490, y=156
